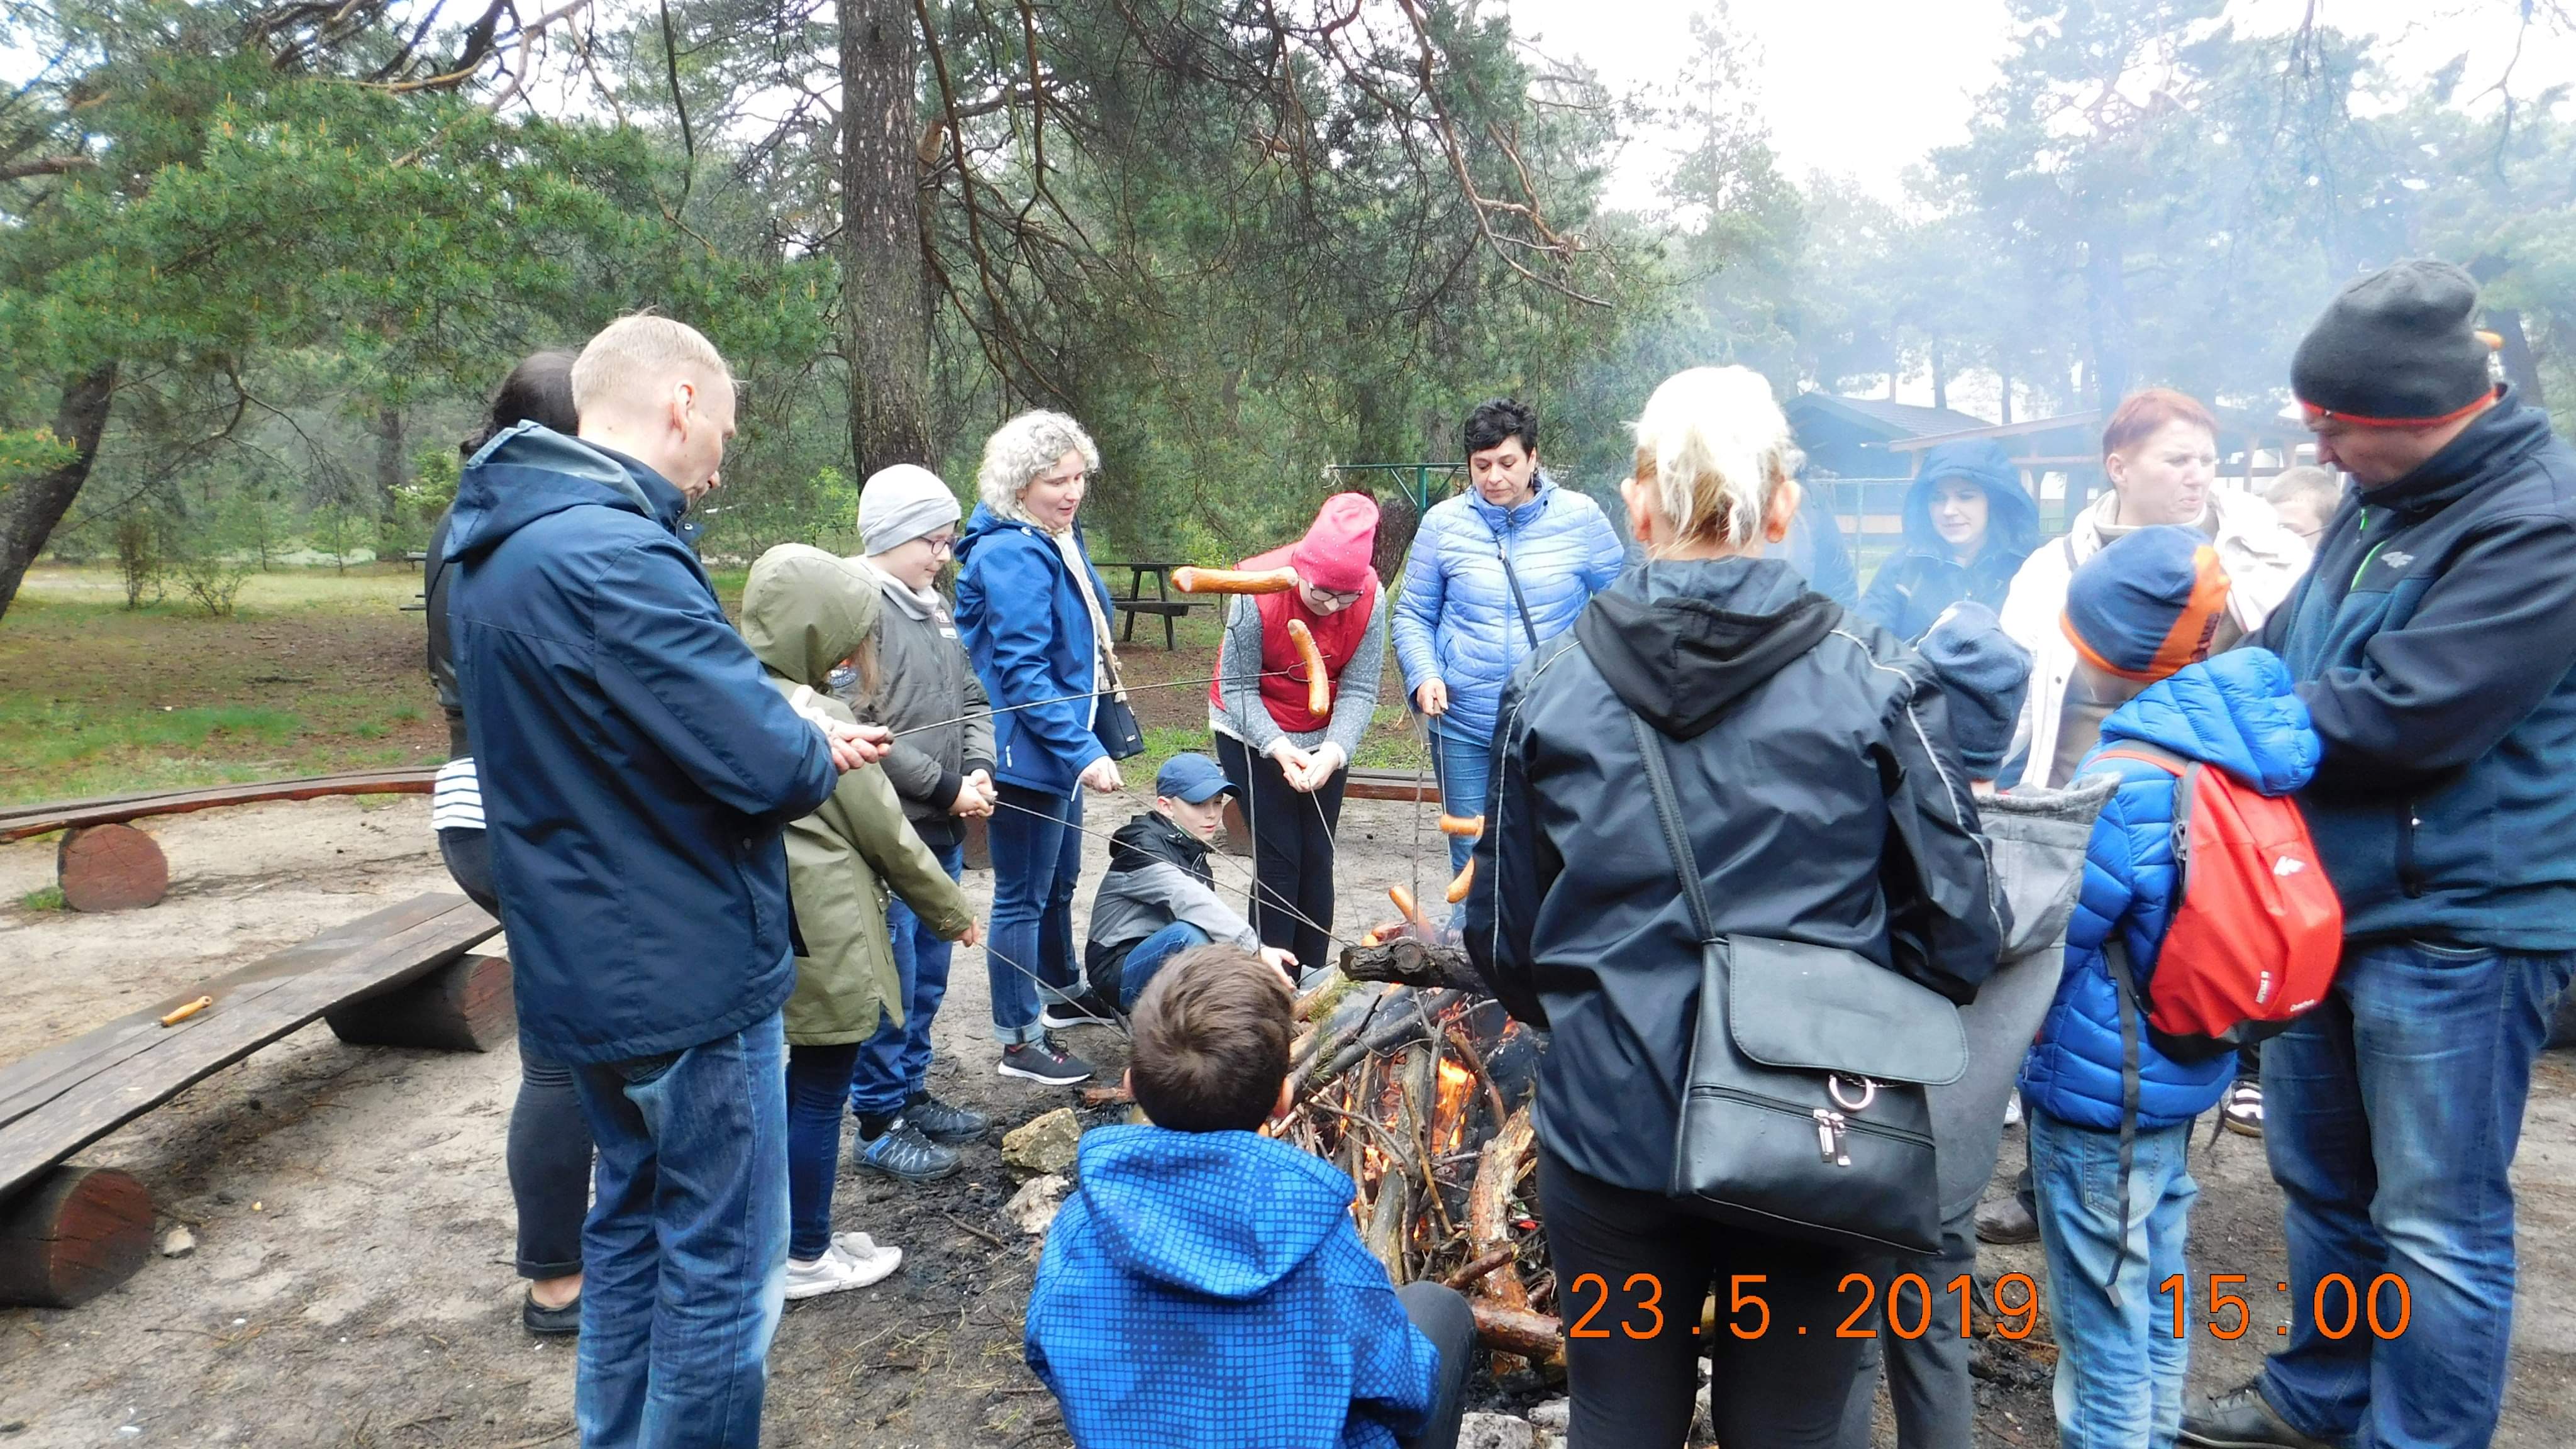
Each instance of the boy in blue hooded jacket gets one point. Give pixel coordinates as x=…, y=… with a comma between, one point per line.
x=2142, y=612
x=1205, y=1285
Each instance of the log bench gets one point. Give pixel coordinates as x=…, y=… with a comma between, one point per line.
x=105, y=864
x=407, y=975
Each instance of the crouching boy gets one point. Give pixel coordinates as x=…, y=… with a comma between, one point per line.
x=1205, y=1284
x=1159, y=897
x=2111, y=1113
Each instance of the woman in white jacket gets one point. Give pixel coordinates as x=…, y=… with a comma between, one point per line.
x=2161, y=452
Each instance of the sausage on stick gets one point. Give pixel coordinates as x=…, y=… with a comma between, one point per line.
x=1471, y=826
x=1234, y=581
x=1465, y=881
x=1319, y=690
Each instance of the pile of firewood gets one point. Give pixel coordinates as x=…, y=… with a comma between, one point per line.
x=1411, y=1079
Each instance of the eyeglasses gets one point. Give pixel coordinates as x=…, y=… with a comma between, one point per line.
x=1333, y=598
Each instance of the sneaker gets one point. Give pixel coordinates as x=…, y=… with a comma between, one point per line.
x=901, y=1152
x=2242, y=1418
x=1044, y=1061
x=2012, y=1110
x=1084, y=1010
x=537, y=1318
x=941, y=1122
x=862, y=1247
x=2244, y=1110
x=837, y=1272
x=2004, y=1221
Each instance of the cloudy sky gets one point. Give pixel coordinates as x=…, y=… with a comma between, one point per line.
x=1865, y=87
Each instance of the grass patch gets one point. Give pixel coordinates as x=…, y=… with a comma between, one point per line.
x=48, y=899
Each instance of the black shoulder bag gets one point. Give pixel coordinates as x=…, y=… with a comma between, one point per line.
x=1803, y=1111
x=1520, y=603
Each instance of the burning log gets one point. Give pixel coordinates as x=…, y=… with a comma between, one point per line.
x=1410, y=961
x=1510, y=1330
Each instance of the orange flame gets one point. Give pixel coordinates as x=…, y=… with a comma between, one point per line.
x=1449, y=1107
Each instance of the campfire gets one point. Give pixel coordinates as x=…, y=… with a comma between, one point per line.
x=1412, y=1079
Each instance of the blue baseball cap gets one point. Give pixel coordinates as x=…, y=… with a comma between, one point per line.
x=1194, y=778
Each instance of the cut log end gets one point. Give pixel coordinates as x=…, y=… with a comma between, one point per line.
x=1407, y=961
x=465, y=1006
x=72, y=1235
x=1534, y=1336
x=111, y=868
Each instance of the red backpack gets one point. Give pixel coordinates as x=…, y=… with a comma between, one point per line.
x=2256, y=929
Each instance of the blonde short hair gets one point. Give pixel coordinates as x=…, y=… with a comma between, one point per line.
x=1713, y=448
x=1020, y=450
x=638, y=353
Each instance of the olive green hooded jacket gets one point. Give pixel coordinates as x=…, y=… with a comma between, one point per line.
x=804, y=611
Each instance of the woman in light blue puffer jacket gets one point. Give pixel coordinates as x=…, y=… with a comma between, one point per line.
x=1458, y=629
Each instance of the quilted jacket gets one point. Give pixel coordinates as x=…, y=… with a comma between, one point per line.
x=1210, y=1288
x=1455, y=621
x=2239, y=713
x=1024, y=624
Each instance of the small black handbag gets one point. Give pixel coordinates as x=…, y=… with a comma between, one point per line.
x=1803, y=1111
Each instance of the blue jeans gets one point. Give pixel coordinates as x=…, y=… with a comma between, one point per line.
x=2119, y=1366
x=1037, y=860
x=818, y=1080
x=2390, y=1114
x=894, y=1065
x=1149, y=955
x=1466, y=766
x=685, y=1254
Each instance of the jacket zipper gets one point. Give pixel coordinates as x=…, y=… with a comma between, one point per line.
x=2409, y=878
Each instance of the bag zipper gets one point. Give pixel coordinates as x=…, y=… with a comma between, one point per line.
x=1831, y=1126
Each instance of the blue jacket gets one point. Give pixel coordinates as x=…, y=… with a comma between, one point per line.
x=636, y=764
x=2435, y=642
x=1455, y=621
x=1029, y=635
x=1210, y=1288
x=2237, y=712
x=1911, y=589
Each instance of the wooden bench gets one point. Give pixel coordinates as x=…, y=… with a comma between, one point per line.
x=1162, y=606
x=105, y=864
x=404, y=976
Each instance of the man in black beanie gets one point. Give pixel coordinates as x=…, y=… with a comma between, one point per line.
x=2434, y=641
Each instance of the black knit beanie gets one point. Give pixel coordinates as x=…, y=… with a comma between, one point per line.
x=2399, y=346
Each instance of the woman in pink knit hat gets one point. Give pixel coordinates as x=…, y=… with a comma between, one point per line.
x=1287, y=762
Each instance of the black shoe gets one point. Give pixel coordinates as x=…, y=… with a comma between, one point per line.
x=2242, y=1419
x=904, y=1154
x=2004, y=1221
x=941, y=1122
x=1084, y=1010
x=551, y=1322
x=1044, y=1061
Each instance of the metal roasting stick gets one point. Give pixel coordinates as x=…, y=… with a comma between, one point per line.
x=1201, y=683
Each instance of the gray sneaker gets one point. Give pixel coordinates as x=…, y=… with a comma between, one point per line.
x=1045, y=1061
x=941, y=1122
x=902, y=1153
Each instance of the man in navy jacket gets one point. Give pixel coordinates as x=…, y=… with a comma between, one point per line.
x=2434, y=641
x=637, y=769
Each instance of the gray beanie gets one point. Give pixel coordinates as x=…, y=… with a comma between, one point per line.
x=902, y=503
x=2398, y=347
x=1984, y=675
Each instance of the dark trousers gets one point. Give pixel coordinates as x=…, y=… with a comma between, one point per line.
x=1444, y=1318
x=549, y=1153
x=1927, y=1376
x=1292, y=851
x=1778, y=1387
x=818, y=1088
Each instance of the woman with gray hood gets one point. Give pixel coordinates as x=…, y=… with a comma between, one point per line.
x=941, y=767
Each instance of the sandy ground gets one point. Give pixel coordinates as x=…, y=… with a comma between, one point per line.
x=351, y=1283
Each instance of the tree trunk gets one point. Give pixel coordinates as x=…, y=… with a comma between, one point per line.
x=2520, y=367
x=1940, y=379
x=2106, y=311
x=2005, y=372
x=29, y=511
x=884, y=295
x=389, y=460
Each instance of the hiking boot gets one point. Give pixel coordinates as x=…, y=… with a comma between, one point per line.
x=1084, y=1010
x=1043, y=1061
x=2005, y=1221
x=941, y=1122
x=901, y=1152
x=2242, y=1418
x=2244, y=1110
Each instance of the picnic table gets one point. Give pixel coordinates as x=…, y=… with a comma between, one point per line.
x=1134, y=602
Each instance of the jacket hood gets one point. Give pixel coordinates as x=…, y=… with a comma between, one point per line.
x=1154, y=836
x=1227, y=1214
x=1680, y=641
x=531, y=471
x=2012, y=518
x=2485, y=450
x=2236, y=711
x=804, y=611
